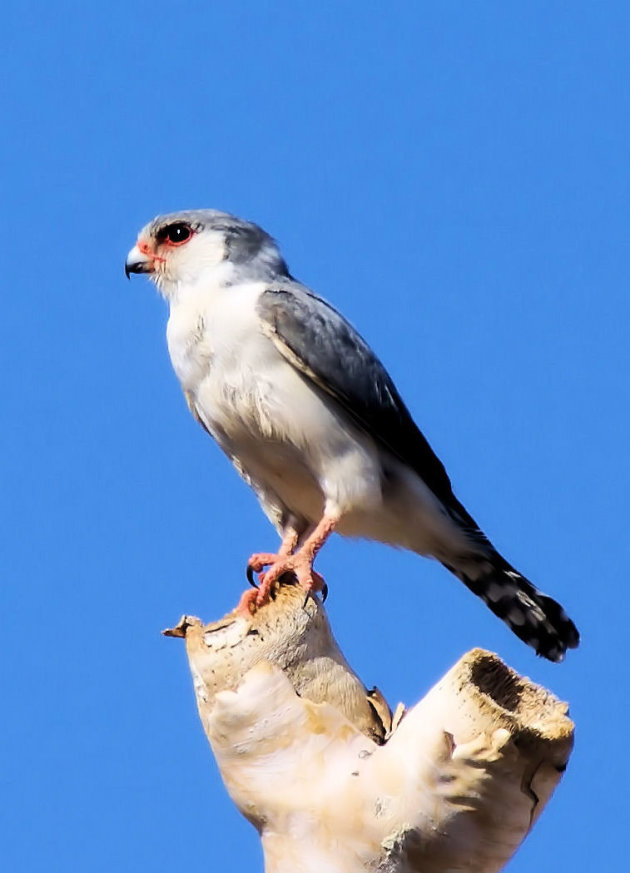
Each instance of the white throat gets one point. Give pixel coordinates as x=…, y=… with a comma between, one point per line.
x=204, y=281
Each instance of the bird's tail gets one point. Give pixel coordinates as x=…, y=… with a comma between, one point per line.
x=534, y=617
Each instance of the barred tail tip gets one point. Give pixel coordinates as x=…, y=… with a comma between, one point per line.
x=534, y=617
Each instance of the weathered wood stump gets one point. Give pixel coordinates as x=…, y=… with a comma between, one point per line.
x=335, y=784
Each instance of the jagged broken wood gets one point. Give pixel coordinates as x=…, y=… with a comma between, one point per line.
x=334, y=783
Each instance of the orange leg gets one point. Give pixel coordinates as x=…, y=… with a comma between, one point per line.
x=300, y=564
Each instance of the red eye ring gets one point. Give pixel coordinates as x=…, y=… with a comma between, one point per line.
x=177, y=234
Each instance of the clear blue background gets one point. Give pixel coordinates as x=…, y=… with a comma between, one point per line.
x=454, y=176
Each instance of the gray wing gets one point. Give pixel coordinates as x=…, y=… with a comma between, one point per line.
x=328, y=351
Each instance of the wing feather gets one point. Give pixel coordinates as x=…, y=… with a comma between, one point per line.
x=318, y=341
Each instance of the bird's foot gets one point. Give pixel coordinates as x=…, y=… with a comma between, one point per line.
x=299, y=566
x=257, y=563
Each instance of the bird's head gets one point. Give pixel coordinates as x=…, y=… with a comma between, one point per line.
x=183, y=249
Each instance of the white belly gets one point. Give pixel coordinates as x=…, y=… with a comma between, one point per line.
x=288, y=438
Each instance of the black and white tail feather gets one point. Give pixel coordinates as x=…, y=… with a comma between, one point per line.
x=534, y=617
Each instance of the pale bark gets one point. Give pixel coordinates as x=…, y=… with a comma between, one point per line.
x=311, y=758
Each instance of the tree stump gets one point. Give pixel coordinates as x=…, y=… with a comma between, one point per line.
x=334, y=783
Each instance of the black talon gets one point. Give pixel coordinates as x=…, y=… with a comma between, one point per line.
x=249, y=572
x=310, y=594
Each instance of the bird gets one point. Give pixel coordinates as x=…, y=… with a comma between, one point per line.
x=313, y=422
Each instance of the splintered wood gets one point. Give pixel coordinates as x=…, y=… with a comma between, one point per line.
x=334, y=783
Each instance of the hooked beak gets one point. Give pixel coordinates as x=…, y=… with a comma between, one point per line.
x=138, y=262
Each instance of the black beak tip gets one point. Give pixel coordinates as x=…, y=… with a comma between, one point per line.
x=140, y=266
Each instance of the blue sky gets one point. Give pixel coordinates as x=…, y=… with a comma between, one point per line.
x=455, y=178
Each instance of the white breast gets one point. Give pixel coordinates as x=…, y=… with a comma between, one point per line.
x=262, y=411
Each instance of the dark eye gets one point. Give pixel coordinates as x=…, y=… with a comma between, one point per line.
x=175, y=234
